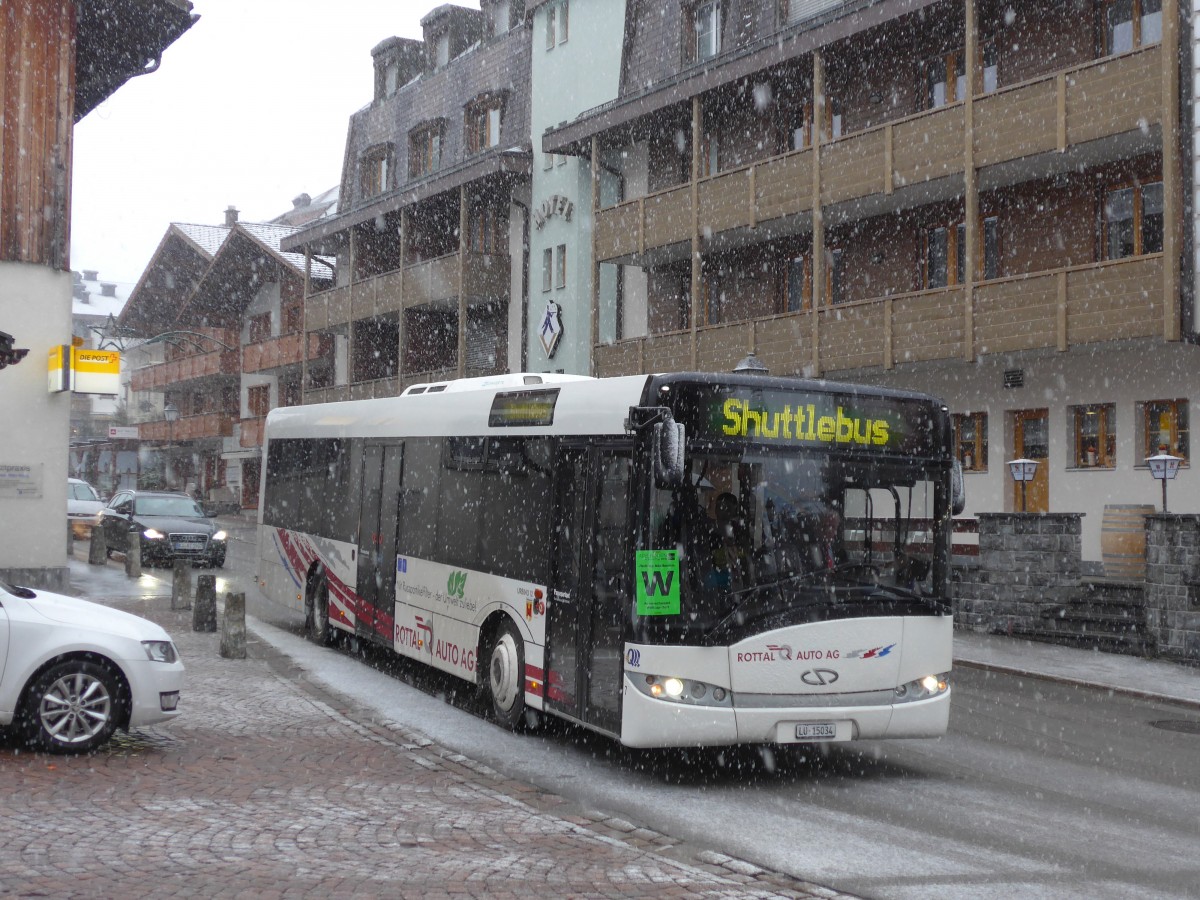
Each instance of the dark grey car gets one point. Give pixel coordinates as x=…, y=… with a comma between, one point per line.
x=169, y=526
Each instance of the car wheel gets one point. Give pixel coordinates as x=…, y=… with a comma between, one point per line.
x=71, y=707
x=316, y=611
x=219, y=561
x=505, y=675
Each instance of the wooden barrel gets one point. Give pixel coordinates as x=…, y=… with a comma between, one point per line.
x=1123, y=540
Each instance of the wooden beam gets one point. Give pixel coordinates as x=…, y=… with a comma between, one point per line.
x=462, y=297
x=1172, y=171
x=818, y=217
x=970, y=182
x=697, y=262
x=595, y=264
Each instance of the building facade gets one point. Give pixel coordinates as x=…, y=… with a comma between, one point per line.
x=59, y=59
x=984, y=200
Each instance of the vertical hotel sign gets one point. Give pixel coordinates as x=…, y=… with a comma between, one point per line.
x=84, y=371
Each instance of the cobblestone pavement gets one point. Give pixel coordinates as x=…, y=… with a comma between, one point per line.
x=267, y=787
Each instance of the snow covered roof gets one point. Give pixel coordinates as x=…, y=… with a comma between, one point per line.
x=94, y=296
x=271, y=235
x=207, y=238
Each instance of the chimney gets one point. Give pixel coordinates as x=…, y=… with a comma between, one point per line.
x=301, y=202
x=79, y=292
x=231, y=217
x=107, y=289
x=90, y=274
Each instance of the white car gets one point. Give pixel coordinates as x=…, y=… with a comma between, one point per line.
x=72, y=671
x=83, y=507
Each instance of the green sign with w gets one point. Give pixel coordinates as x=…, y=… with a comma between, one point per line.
x=657, y=575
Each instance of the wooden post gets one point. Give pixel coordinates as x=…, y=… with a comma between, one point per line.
x=1171, y=171
x=970, y=183
x=818, y=217
x=400, y=360
x=697, y=262
x=462, y=298
x=595, y=262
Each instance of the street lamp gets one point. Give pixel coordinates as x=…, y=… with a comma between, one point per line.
x=750, y=365
x=1022, y=471
x=1163, y=466
x=171, y=414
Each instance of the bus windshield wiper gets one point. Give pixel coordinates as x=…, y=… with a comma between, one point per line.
x=756, y=591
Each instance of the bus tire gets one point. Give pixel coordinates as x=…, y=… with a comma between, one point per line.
x=505, y=675
x=316, y=611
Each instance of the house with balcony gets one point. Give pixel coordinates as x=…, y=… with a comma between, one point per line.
x=429, y=242
x=219, y=313
x=983, y=200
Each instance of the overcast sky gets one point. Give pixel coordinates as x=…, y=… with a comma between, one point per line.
x=248, y=109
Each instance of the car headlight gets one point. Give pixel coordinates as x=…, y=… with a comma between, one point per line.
x=153, y=534
x=220, y=536
x=923, y=688
x=160, y=651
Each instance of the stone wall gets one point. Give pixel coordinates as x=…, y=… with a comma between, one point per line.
x=1027, y=562
x=1173, y=584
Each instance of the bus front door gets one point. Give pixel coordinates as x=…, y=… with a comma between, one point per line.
x=376, y=586
x=588, y=590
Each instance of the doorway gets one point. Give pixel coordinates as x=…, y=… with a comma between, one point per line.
x=1031, y=440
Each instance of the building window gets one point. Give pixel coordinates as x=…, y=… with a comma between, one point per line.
x=703, y=40
x=1131, y=23
x=835, y=280
x=1133, y=220
x=375, y=171
x=1094, y=436
x=292, y=318
x=945, y=257
x=442, y=50
x=547, y=269
x=260, y=328
x=483, y=124
x=971, y=441
x=558, y=20
x=425, y=151
x=799, y=283
x=710, y=155
x=943, y=79
x=501, y=18
x=1164, y=428
x=258, y=400
x=560, y=279
x=800, y=124
x=486, y=234
x=991, y=68
x=547, y=161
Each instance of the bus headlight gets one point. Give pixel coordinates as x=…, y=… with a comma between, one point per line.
x=681, y=690
x=923, y=688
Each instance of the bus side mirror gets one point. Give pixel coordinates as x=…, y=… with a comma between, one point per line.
x=958, y=490
x=668, y=454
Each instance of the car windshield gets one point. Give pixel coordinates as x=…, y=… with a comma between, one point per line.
x=83, y=492
x=166, y=506
x=781, y=531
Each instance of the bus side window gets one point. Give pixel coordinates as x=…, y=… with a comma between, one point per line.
x=611, y=528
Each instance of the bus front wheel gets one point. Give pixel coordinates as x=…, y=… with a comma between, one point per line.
x=316, y=612
x=506, y=675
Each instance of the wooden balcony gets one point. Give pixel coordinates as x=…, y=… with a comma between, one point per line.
x=485, y=276
x=188, y=428
x=280, y=352
x=1026, y=122
x=215, y=364
x=1058, y=309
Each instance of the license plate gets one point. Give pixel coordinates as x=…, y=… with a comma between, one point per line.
x=816, y=731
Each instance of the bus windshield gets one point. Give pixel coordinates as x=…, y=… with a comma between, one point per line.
x=769, y=537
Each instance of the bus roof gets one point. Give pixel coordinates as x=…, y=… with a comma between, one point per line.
x=584, y=406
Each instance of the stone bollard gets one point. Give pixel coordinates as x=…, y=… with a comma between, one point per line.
x=133, y=554
x=233, y=626
x=97, y=552
x=204, y=610
x=181, y=585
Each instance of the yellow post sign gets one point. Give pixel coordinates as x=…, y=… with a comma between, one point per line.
x=59, y=372
x=95, y=371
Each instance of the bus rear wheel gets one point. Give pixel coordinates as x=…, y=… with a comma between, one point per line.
x=506, y=675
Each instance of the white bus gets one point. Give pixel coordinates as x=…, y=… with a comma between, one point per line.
x=672, y=560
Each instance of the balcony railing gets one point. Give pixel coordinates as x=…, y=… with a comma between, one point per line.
x=280, y=352
x=188, y=428
x=485, y=275
x=1056, y=310
x=214, y=364
x=1103, y=98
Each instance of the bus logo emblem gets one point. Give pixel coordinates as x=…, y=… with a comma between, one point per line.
x=634, y=657
x=456, y=585
x=401, y=565
x=819, y=677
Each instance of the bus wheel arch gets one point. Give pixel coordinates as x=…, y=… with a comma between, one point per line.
x=502, y=670
x=316, y=605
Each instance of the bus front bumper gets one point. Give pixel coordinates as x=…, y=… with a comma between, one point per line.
x=651, y=722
